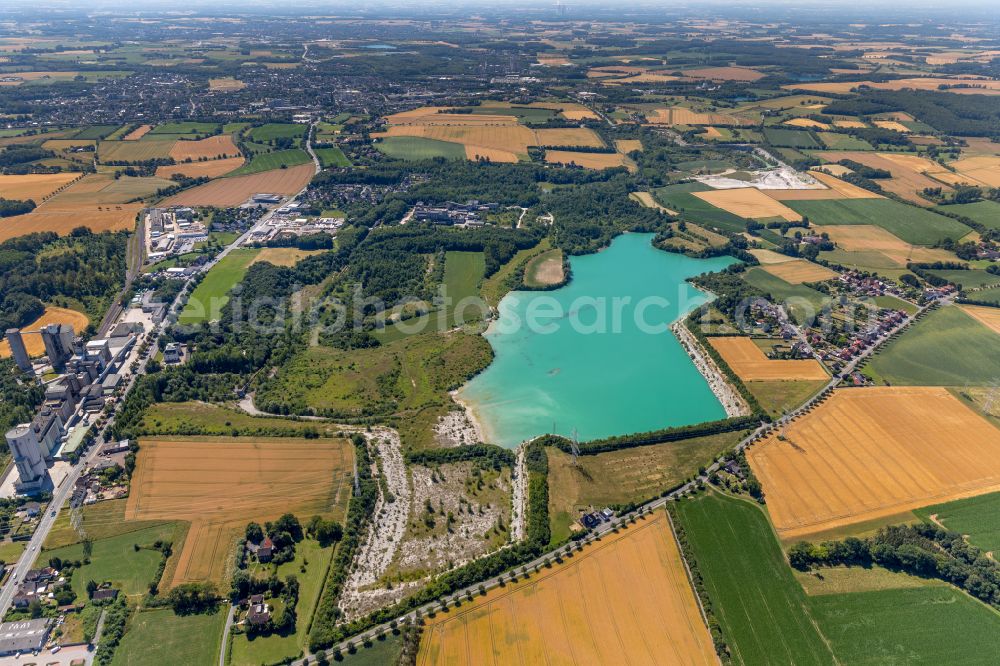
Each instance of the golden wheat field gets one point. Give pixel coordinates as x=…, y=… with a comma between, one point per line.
x=856, y=124
x=798, y=271
x=647, y=200
x=748, y=202
x=220, y=484
x=869, y=238
x=213, y=147
x=234, y=191
x=34, y=186
x=137, y=133
x=749, y=362
x=982, y=169
x=283, y=256
x=226, y=84
x=725, y=73
x=33, y=339
x=679, y=115
x=988, y=317
x=807, y=122
x=874, y=452
x=625, y=599
x=62, y=219
x=208, y=168
x=906, y=179
x=589, y=160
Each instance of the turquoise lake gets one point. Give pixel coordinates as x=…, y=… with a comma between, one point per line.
x=565, y=361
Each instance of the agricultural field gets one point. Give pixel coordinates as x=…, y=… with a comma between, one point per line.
x=790, y=138
x=206, y=169
x=626, y=146
x=803, y=302
x=417, y=148
x=101, y=521
x=908, y=172
x=63, y=218
x=184, y=127
x=133, y=151
x=624, y=476
x=682, y=199
x=989, y=317
x=947, y=347
x=162, y=638
x=171, y=418
x=986, y=213
x=260, y=479
x=137, y=133
x=877, y=246
x=35, y=186
x=283, y=256
x=225, y=84
x=798, y=271
x=908, y=223
x=683, y=116
x=235, y=191
x=52, y=315
x=968, y=279
x=332, y=157
x=837, y=188
x=219, y=146
x=269, y=131
x=589, y=160
x=764, y=614
x=212, y=293
x=748, y=202
x=874, y=452
x=279, y=159
x=779, y=396
x=749, y=362
x=976, y=518
x=644, y=610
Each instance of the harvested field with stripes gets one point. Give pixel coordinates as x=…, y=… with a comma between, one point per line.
x=798, y=271
x=234, y=191
x=137, y=133
x=623, y=599
x=679, y=115
x=983, y=169
x=749, y=362
x=628, y=145
x=34, y=186
x=220, y=484
x=907, y=171
x=63, y=218
x=589, y=160
x=875, y=452
x=748, y=202
x=33, y=339
x=807, y=123
x=213, y=147
x=869, y=238
x=208, y=168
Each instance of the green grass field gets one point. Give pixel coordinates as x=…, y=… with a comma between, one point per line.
x=837, y=141
x=95, y=132
x=161, y=638
x=923, y=625
x=271, y=161
x=986, y=213
x=186, y=127
x=463, y=271
x=277, y=131
x=212, y=293
x=275, y=648
x=418, y=148
x=789, y=138
x=946, y=347
x=535, y=263
x=115, y=559
x=101, y=521
x=781, y=396
x=909, y=223
x=889, y=301
x=764, y=613
x=976, y=517
x=380, y=653
x=10, y=551
x=803, y=302
x=177, y=418
x=679, y=198
x=991, y=295
x=969, y=279
x=332, y=157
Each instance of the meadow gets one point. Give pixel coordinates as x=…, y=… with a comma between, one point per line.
x=624, y=476
x=909, y=223
x=212, y=293
x=115, y=559
x=279, y=159
x=764, y=614
x=332, y=157
x=179, y=418
x=185, y=127
x=162, y=638
x=789, y=138
x=986, y=213
x=947, y=347
x=419, y=148
x=270, y=131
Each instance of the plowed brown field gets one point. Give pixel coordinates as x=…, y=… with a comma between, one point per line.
x=749, y=362
x=234, y=191
x=221, y=483
x=623, y=600
x=870, y=453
